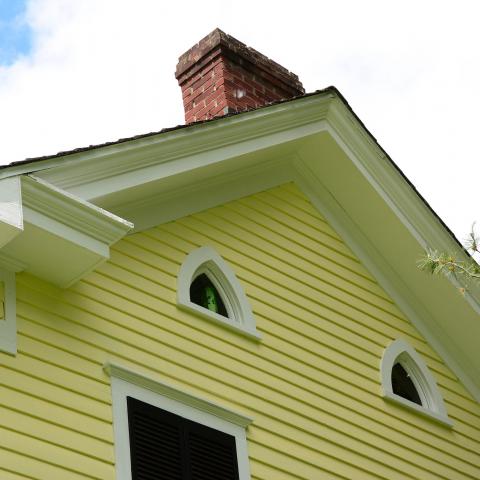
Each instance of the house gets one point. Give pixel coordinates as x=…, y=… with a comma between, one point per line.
x=231, y=299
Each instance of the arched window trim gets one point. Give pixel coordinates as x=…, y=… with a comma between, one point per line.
x=432, y=406
x=205, y=260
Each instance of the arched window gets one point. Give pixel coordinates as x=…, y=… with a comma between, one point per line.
x=204, y=293
x=208, y=287
x=407, y=381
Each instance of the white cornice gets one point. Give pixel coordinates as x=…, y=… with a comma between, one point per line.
x=10, y=263
x=185, y=200
x=162, y=388
x=62, y=237
x=90, y=176
x=395, y=190
x=396, y=287
x=40, y=196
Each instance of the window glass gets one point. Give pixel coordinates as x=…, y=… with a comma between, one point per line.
x=402, y=384
x=204, y=293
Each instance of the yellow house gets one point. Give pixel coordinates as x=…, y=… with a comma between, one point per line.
x=232, y=299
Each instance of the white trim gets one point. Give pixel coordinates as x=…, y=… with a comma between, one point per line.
x=402, y=352
x=11, y=264
x=56, y=223
x=182, y=199
x=89, y=174
x=72, y=211
x=8, y=325
x=127, y=383
x=206, y=260
x=395, y=286
x=11, y=215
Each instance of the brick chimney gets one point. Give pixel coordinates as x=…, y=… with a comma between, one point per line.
x=220, y=75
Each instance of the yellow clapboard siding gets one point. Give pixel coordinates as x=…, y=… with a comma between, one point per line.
x=57, y=375
x=116, y=300
x=172, y=341
x=38, y=469
x=332, y=468
x=128, y=294
x=308, y=285
x=55, y=394
x=129, y=263
x=25, y=424
x=56, y=414
x=8, y=475
x=75, y=464
x=353, y=452
x=312, y=384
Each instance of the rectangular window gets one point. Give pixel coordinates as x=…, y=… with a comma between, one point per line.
x=165, y=445
x=166, y=433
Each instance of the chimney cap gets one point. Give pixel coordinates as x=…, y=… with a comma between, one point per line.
x=236, y=50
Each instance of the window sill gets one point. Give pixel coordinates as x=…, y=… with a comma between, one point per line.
x=220, y=320
x=404, y=403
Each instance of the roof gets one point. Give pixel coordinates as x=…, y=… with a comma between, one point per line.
x=331, y=89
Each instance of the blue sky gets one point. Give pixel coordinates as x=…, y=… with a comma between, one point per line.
x=15, y=35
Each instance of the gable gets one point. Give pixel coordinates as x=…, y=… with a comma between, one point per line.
x=325, y=324
x=316, y=141
x=312, y=384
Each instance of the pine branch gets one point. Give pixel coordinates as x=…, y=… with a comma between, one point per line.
x=435, y=262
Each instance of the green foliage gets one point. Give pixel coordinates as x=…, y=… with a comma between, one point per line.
x=435, y=262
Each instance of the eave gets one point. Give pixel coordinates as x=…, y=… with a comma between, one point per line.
x=56, y=236
x=320, y=144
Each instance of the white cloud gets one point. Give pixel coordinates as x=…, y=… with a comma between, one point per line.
x=104, y=69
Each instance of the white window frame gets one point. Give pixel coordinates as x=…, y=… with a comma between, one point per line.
x=400, y=351
x=205, y=260
x=127, y=383
x=8, y=325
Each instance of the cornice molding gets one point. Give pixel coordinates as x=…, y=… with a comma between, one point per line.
x=40, y=196
x=395, y=190
x=10, y=263
x=59, y=225
x=148, y=154
x=162, y=388
x=188, y=199
x=387, y=277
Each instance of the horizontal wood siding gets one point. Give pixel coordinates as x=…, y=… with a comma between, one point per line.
x=312, y=384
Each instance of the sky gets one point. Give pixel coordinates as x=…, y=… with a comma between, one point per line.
x=80, y=72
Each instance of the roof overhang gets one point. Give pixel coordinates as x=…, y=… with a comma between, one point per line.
x=51, y=233
x=318, y=142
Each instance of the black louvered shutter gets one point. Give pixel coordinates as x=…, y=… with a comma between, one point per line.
x=213, y=454
x=165, y=446
x=156, y=444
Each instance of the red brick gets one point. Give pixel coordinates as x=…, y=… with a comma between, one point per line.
x=214, y=70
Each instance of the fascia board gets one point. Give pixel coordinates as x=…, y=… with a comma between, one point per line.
x=42, y=200
x=109, y=169
x=11, y=264
x=394, y=189
x=423, y=226
x=56, y=222
x=395, y=286
x=11, y=212
x=189, y=199
x=386, y=179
